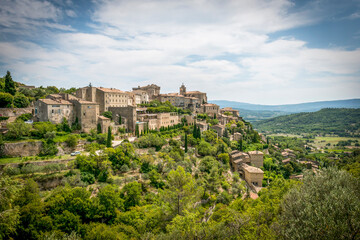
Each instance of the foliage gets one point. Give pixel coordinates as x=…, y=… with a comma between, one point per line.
x=108, y=114
x=6, y=100
x=25, y=116
x=108, y=140
x=72, y=140
x=326, y=206
x=18, y=129
x=21, y=101
x=9, y=84
x=325, y=121
x=41, y=128
x=151, y=140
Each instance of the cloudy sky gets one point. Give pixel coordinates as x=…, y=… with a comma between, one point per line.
x=256, y=51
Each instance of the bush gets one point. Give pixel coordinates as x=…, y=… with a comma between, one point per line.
x=20, y=101
x=72, y=140
x=11, y=171
x=151, y=140
x=107, y=114
x=87, y=177
x=18, y=129
x=25, y=116
x=6, y=100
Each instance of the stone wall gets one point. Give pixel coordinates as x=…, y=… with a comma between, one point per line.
x=15, y=112
x=22, y=149
x=26, y=149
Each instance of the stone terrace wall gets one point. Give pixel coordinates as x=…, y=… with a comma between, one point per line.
x=14, y=112
x=22, y=149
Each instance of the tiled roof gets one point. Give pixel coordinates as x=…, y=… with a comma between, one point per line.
x=55, y=102
x=104, y=118
x=110, y=90
x=194, y=92
x=251, y=168
x=255, y=152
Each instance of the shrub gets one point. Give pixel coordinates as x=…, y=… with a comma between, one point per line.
x=6, y=100
x=87, y=177
x=20, y=101
x=72, y=140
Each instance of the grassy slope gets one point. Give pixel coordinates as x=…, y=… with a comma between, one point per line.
x=341, y=121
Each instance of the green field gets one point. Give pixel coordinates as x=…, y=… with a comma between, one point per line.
x=34, y=158
x=321, y=142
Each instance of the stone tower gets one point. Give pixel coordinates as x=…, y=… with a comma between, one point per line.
x=182, y=89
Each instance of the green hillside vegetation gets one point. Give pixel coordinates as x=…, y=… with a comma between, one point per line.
x=341, y=122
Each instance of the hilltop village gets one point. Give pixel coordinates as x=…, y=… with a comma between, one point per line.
x=102, y=163
x=131, y=112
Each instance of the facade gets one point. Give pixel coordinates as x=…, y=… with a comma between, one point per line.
x=203, y=126
x=159, y=120
x=195, y=94
x=140, y=97
x=87, y=114
x=241, y=162
x=210, y=109
x=152, y=90
x=54, y=110
x=256, y=158
x=253, y=175
x=105, y=97
x=220, y=129
x=237, y=136
x=128, y=116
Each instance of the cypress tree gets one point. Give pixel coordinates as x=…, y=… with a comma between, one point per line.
x=240, y=145
x=120, y=119
x=9, y=84
x=186, y=143
x=108, y=141
x=195, y=131
x=198, y=133
x=98, y=128
x=137, y=130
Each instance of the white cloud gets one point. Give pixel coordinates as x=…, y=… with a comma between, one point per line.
x=221, y=47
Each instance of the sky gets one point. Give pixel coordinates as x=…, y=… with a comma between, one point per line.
x=254, y=51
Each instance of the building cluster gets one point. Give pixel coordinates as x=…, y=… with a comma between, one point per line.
x=89, y=103
x=248, y=165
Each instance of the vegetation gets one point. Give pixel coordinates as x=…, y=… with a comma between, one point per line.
x=341, y=122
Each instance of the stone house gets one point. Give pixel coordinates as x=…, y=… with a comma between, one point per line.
x=220, y=129
x=253, y=175
x=152, y=90
x=237, y=136
x=230, y=110
x=54, y=110
x=87, y=114
x=203, y=126
x=195, y=94
x=256, y=158
x=210, y=109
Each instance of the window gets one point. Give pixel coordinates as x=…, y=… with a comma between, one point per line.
x=52, y=111
x=55, y=105
x=89, y=106
x=59, y=111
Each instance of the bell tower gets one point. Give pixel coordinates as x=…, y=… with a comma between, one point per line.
x=182, y=89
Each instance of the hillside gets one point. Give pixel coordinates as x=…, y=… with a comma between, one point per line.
x=341, y=122
x=292, y=108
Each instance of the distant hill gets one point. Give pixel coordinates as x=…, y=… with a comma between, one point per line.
x=338, y=121
x=258, y=115
x=291, y=108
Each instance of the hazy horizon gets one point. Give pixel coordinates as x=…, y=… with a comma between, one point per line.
x=260, y=52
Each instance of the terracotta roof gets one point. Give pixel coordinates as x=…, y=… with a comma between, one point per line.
x=55, y=102
x=194, y=92
x=113, y=90
x=251, y=168
x=218, y=126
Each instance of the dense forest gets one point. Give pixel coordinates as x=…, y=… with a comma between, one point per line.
x=333, y=121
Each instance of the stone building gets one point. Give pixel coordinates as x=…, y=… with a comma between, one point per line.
x=237, y=136
x=210, y=109
x=159, y=120
x=140, y=97
x=152, y=90
x=105, y=123
x=253, y=175
x=230, y=110
x=196, y=94
x=54, y=110
x=105, y=97
x=256, y=158
x=128, y=116
x=87, y=114
x=241, y=162
x=203, y=126
x=220, y=129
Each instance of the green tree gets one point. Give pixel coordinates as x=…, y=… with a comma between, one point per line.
x=108, y=140
x=186, y=143
x=72, y=140
x=182, y=191
x=9, y=84
x=98, y=128
x=107, y=114
x=240, y=144
x=21, y=101
x=9, y=213
x=65, y=125
x=131, y=193
x=6, y=100
x=18, y=129
x=120, y=120
x=326, y=206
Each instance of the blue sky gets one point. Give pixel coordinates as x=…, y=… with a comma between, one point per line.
x=256, y=51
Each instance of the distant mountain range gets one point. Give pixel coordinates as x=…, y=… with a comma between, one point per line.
x=256, y=112
x=291, y=108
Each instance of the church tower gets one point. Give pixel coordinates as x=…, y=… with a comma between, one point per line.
x=182, y=89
